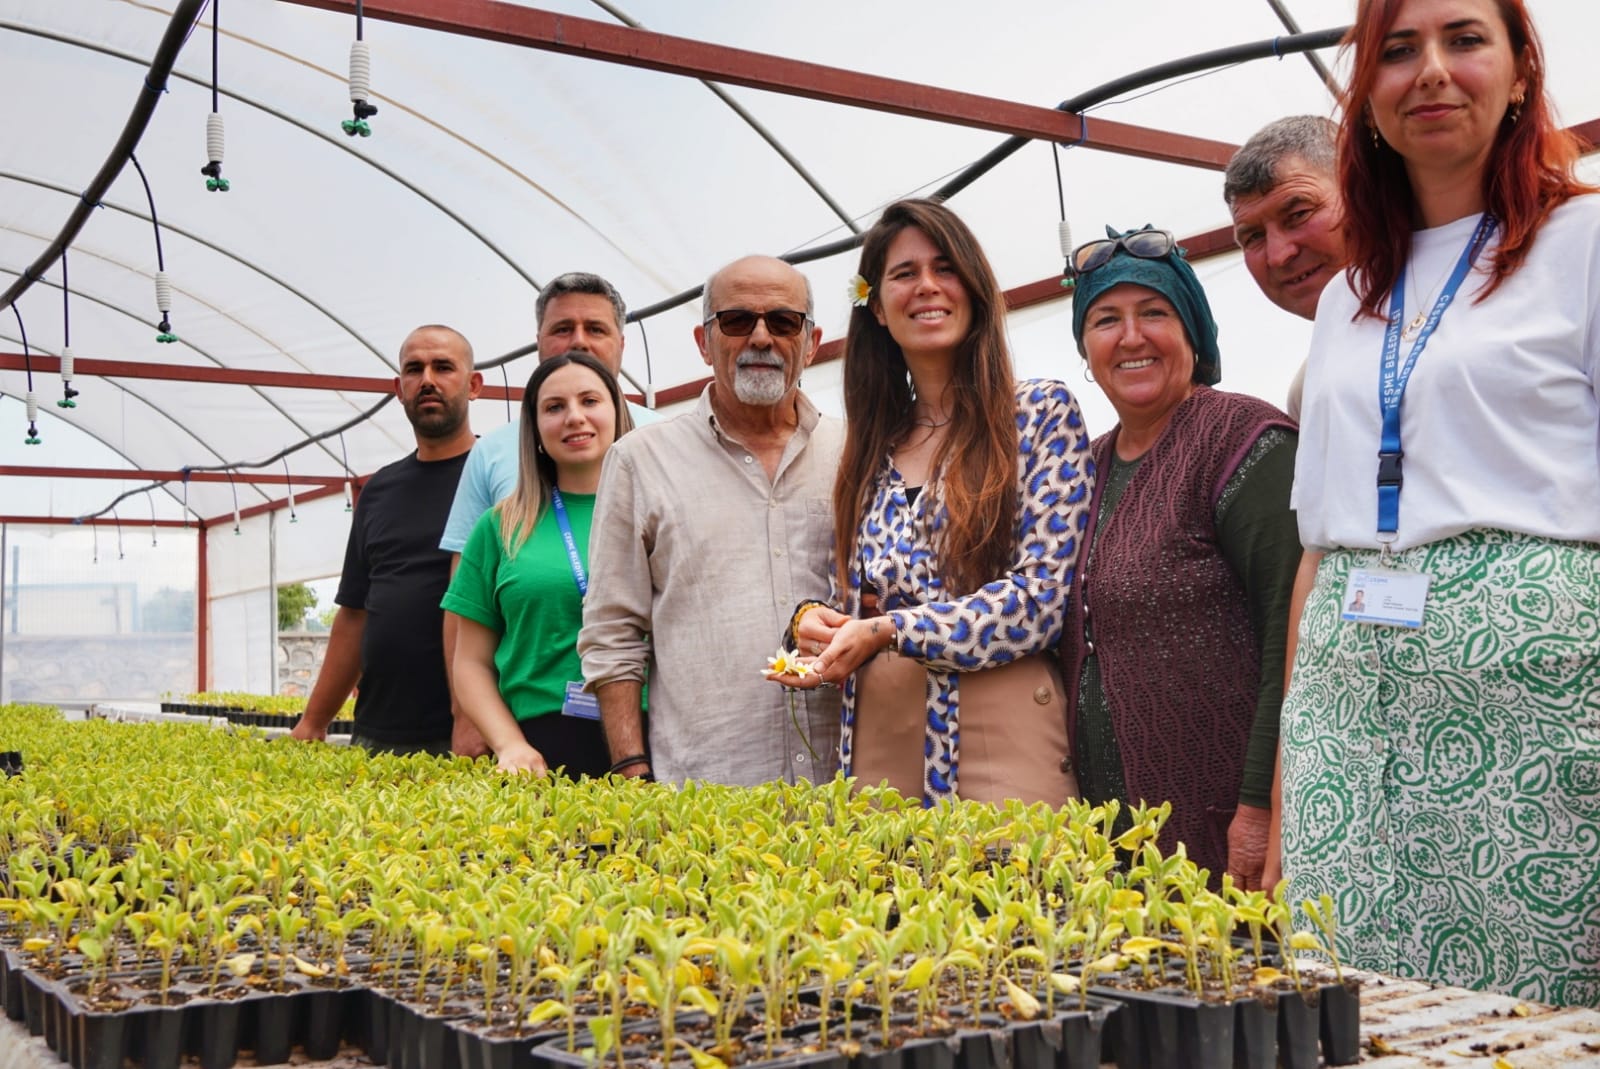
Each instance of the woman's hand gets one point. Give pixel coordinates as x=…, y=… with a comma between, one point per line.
x=1247, y=846
x=521, y=758
x=816, y=630
x=854, y=643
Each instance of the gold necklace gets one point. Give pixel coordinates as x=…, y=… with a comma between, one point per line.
x=1413, y=328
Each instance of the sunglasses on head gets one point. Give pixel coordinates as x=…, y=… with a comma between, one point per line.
x=1145, y=244
x=741, y=322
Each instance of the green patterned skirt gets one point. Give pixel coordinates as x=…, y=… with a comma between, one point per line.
x=1443, y=784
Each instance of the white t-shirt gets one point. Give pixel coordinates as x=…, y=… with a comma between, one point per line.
x=1500, y=424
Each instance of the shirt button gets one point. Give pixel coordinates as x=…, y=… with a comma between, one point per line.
x=749, y=460
x=777, y=553
x=1042, y=695
x=1088, y=647
x=799, y=758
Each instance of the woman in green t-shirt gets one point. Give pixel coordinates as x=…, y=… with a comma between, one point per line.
x=524, y=570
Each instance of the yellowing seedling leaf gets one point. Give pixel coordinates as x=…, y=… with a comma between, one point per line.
x=306, y=968
x=1026, y=1005
x=548, y=1010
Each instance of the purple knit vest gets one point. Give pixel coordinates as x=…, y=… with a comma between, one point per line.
x=1179, y=663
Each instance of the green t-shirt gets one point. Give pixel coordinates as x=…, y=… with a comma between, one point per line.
x=532, y=600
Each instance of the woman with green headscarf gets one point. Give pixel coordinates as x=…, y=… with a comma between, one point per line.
x=1175, y=638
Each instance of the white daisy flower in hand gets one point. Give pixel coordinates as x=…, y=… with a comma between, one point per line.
x=786, y=663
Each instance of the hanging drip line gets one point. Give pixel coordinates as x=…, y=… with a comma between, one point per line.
x=118, y=520
x=186, y=497
x=94, y=531
x=215, y=183
x=360, y=83
x=287, y=474
x=163, y=284
x=232, y=465
x=349, y=501
x=1064, y=228
x=67, y=392
x=234, y=487
x=31, y=399
x=506, y=379
x=152, y=498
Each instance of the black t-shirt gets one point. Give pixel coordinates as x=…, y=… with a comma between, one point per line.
x=395, y=570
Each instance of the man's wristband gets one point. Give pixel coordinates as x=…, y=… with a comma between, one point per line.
x=629, y=762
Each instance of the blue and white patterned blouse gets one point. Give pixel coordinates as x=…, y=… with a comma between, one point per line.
x=1020, y=613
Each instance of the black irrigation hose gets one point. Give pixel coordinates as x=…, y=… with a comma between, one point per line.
x=155, y=83
x=234, y=466
x=1276, y=46
x=150, y=197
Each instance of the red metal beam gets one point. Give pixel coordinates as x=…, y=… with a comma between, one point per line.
x=261, y=478
x=98, y=521
x=527, y=27
x=228, y=376
x=225, y=519
x=1198, y=247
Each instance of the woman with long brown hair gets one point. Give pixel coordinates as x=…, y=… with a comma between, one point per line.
x=958, y=508
x=1440, y=749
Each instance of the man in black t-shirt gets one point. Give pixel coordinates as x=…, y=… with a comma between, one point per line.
x=387, y=632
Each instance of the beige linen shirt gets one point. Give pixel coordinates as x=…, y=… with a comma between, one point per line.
x=696, y=562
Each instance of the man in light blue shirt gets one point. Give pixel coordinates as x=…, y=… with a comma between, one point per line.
x=577, y=312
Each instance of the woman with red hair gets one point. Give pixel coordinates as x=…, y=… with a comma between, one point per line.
x=1441, y=747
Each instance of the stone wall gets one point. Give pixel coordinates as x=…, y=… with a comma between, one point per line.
x=136, y=667
x=300, y=656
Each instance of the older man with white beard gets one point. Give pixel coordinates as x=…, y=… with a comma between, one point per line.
x=708, y=530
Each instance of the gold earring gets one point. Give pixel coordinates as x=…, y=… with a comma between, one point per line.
x=1373, y=130
x=1516, y=109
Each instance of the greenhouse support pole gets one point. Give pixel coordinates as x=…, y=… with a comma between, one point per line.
x=272, y=590
x=202, y=610
x=5, y=530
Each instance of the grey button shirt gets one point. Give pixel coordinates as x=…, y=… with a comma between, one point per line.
x=696, y=562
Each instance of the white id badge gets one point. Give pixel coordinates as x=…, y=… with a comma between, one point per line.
x=580, y=703
x=1381, y=596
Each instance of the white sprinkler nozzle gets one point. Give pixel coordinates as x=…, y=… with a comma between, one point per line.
x=349, y=501
x=214, y=137
x=360, y=71
x=163, y=292
x=32, y=402
x=66, y=364
x=1064, y=235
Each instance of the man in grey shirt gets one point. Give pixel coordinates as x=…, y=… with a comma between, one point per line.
x=1282, y=188
x=708, y=530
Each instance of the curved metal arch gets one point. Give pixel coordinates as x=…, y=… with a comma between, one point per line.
x=220, y=251
x=306, y=127
x=101, y=257
x=81, y=429
x=310, y=437
x=755, y=124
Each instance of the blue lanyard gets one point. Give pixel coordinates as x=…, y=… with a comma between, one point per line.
x=1392, y=377
x=559, y=507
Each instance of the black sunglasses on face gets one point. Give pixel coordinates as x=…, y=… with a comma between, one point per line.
x=741, y=322
x=1145, y=244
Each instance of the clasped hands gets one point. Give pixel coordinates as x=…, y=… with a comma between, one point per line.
x=832, y=645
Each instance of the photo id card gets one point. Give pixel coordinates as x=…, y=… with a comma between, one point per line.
x=580, y=703
x=1380, y=596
